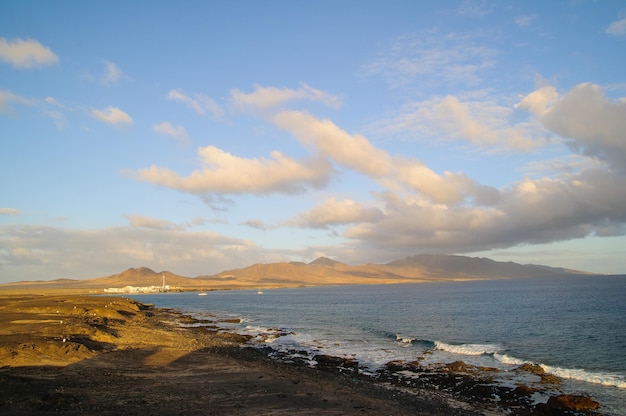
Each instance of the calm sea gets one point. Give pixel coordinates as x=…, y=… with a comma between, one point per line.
x=574, y=327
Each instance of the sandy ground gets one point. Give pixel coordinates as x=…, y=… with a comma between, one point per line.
x=75, y=354
x=80, y=354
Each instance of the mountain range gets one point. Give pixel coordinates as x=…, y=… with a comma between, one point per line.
x=322, y=271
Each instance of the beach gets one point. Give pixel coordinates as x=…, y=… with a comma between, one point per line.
x=83, y=354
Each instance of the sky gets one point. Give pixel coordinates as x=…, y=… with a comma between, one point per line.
x=202, y=136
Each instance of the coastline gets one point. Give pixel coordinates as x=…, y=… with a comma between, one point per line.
x=77, y=354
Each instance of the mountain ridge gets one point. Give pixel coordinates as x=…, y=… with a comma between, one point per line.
x=324, y=271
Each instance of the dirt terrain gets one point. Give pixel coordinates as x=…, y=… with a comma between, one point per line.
x=76, y=354
x=83, y=354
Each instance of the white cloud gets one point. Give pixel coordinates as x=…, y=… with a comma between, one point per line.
x=591, y=123
x=538, y=101
x=529, y=212
x=350, y=150
x=178, y=132
x=485, y=123
x=617, y=28
x=449, y=189
x=26, y=53
x=10, y=211
x=266, y=98
x=223, y=172
x=336, y=212
x=7, y=98
x=358, y=154
x=112, y=115
x=482, y=125
x=200, y=103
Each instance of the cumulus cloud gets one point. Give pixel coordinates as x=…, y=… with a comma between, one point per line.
x=350, y=150
x=265, y=98
x=225, y=173
x=200, y=103
x=420, y=209
x=24, y=54
x=591, y=123
x=617, y=28
x=178, y=132
x=355, y=152
x=530, y=211
x=112, y=115
x=450, y=188
x=336, y=212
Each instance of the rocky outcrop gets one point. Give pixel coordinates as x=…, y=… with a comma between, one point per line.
x=572, y=402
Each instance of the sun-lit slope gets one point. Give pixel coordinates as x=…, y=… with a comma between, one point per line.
x=322, y=271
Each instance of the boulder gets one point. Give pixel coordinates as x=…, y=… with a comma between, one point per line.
x=572, y=402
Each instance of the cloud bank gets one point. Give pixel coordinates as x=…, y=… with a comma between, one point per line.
x=418, y=209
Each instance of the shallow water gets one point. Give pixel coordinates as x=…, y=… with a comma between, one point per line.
x=575, y=327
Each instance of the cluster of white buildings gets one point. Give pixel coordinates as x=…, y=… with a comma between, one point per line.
x=138, y=289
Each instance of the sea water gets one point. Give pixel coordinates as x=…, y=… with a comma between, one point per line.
x=574, y=327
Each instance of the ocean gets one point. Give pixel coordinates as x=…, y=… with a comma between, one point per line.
x=574, y=327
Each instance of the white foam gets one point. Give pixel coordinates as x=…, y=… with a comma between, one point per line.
x=507, y=359
x=404, y=340
x=468, y=349
x=605, y=379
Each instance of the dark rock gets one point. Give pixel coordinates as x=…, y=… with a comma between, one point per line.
x=459, y=367
x=330, y=361
x=572, y=402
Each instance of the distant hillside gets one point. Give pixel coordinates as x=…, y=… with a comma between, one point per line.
x=461, y=266
x=322, y=271
x=420, y=268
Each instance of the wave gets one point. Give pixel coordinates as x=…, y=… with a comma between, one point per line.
x=507, y=359
x=468, y=349
x=404, y=340
x=605, y=379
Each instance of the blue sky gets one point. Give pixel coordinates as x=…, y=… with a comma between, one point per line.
x=198, y=136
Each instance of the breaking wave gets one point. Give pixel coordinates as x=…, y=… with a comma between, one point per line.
x=468, y=349
x=605, y=379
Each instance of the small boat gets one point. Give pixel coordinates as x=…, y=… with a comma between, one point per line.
x=259, y=292
x=202, y=294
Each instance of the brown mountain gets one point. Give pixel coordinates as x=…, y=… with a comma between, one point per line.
x=420, y=268
x=322, y=271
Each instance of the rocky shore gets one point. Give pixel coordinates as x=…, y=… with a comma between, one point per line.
x=75, y=354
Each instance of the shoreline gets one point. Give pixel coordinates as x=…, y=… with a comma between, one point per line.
x=109, y=355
